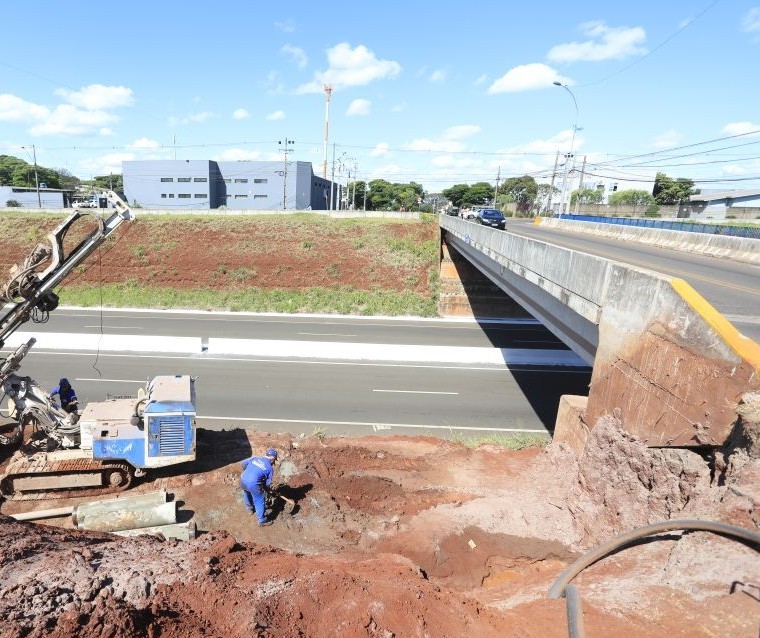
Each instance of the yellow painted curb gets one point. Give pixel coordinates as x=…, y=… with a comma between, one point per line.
x=745, y=347
x=537, y=221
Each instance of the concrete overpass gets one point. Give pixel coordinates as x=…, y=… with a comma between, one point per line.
x=668, y=364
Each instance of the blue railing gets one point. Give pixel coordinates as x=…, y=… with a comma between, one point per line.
x=689, y=227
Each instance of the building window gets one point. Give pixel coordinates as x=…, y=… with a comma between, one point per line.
x=201, y=195
x=259, y=197
x=241, y=180
x=241, y=196
x=227, y=180
x=183, y=179
x=199, y=179
x=260, y=180
x=171, y=195
x=184, y=195
x=163, y=195
x=167, y=179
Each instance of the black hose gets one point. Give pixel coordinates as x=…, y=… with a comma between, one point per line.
x=558, y=588
x=562, y=585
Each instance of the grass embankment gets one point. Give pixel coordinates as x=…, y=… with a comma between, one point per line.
x=304, y=263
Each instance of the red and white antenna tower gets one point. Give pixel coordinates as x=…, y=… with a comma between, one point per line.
x=328, y=93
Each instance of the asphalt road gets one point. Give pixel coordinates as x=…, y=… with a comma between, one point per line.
x=341, y=398
x=732, y=288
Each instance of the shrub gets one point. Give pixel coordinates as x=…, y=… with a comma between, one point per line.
x=13, y=203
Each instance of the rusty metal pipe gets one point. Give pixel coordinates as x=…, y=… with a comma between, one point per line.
x=139, y=516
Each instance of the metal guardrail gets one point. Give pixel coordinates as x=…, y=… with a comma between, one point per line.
x=689, y=227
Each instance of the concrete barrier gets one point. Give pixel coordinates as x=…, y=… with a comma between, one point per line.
x=737, y=248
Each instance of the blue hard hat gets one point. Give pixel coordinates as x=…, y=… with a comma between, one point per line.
x=271, y=453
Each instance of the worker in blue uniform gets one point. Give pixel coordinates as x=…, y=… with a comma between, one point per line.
x=256, y=480
x=66, y=394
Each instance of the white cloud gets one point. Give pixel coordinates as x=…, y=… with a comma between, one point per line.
x=460, y=132
x=437, y=76
x=740, y=128
x=96, y=97
x=751, y=20
x=527, y=77
x=380, y=150
x=350, y=67
x=237, y=155
x=240, y=114
x=606, y=43
x=66, y=119
x=193, y=118
x=14, y=109
x=480, y=80
x=276, y=115
x=358, y=107
x=105, y=164
x=666, y=139
x=143, y=144
x=296, y=54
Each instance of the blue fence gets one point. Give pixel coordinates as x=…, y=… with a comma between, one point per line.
x=689, y=227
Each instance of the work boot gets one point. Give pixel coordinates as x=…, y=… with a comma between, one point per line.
x=265, y=523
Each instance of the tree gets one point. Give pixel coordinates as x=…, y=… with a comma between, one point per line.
x=587, y=196
x=109, y=183
x=17, y=172
x=631, y=197
x=669, y=191
x=456, y=194
x=479, y=194
x=68, y=181
x=521, y=190
x=384, y=195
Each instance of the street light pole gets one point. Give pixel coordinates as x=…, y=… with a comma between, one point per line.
x=569, y=156
x=285, y=149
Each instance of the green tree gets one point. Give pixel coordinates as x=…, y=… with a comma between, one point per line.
x=479, y=194
x=109, y=183
x=456, y=194
x=587, y=196
x=666, y=190
x=631, y=197
x=521, y=190
x=67, y=180
x=17, y=172
x=384, y=195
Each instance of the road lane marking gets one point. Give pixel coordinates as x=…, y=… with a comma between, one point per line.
x=117, y=327
x=325, y=334
x=374, y=425
x=111, y=380
x=413, y=391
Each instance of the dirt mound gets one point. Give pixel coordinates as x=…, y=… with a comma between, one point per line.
x=396, y=536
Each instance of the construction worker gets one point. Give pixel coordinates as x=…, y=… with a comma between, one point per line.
x=66, y=394
x=256, y=480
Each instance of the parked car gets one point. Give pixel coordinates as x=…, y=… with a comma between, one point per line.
x=491, y=217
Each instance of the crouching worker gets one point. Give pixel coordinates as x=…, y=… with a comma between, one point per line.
x=67, y=396
x=256, y=480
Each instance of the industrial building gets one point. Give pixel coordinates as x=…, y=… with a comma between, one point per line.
x=242, y=185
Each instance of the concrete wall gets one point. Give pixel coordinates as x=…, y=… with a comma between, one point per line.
x=736, y=248
x=665, y=361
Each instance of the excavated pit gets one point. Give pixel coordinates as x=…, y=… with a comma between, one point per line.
x=396, y=536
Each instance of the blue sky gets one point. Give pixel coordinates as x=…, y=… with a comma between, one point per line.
x=438, y=93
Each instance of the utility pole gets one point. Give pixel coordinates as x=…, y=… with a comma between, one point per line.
x=328, y=93
x=580, y=185
x=36, y=176
x=551, y=188
x=496, y=190
x=285, y=149
x=332, y=179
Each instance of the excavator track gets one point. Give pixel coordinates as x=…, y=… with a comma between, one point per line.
x=43, y=476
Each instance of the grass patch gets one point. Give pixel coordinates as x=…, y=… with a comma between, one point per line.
x=134, y=294
x=511, y=441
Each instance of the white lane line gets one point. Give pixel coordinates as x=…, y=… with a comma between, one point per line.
x=374, y=426
x=540, y=369
x=110, y=327
x=414, y=392
x=111, y=380
x=325, y=334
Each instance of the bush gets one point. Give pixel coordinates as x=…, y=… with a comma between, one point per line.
x=13, y=203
